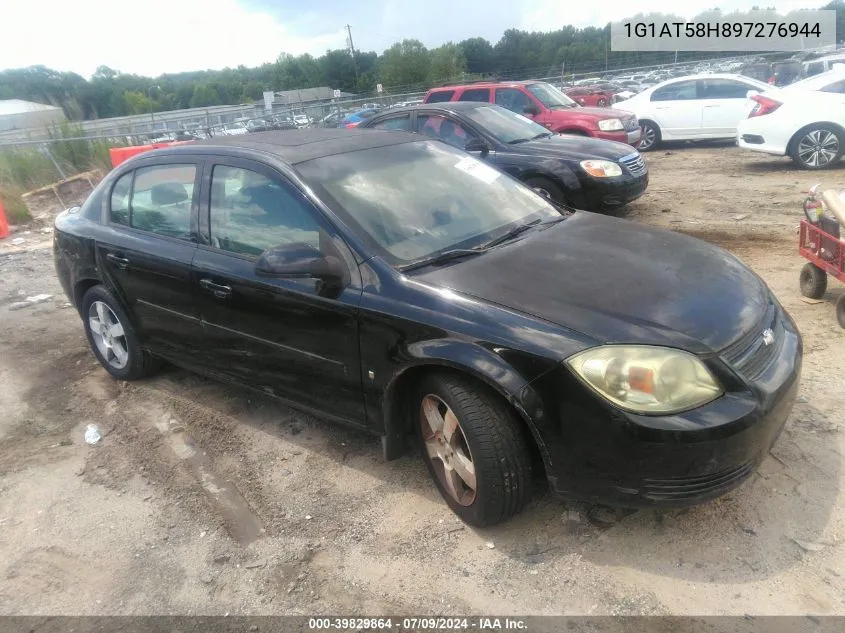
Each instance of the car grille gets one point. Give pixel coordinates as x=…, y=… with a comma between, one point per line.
x=630, y=124
x=750, y=356
x=634, y=163
x=687, y=488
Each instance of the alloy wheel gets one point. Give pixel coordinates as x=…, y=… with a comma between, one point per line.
x=108, y=335
x=649, y=137
x=818, y=148
x=446, y=446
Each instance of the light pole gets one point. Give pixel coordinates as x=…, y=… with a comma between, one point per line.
x=152, y=112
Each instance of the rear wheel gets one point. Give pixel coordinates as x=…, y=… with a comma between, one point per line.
x=547, y=188
x=651, y=136
x=473, y=448
x=112, y=337
x=602, y=102
x=840, y=311
x=813, y=281
x=817, y=147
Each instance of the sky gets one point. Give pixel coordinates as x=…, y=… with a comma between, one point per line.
x=152, y=37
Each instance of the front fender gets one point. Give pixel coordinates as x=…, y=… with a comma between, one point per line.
x=468, y=358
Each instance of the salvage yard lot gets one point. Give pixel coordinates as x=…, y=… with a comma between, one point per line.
x=206, y=499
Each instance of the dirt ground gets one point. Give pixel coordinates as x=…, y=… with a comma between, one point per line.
x=205, y=499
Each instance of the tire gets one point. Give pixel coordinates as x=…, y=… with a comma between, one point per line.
x=546, y=187
x=487, y=435
x=840, y=311
x=817, y=147
x=651, y=136
x=813, y=281
x=117, y=349
x=601, y=103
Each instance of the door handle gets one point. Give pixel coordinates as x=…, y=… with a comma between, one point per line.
x=218, y=290
x=713, y=106
x=120, y=262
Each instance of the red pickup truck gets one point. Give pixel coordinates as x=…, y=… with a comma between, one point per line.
x=547, y=106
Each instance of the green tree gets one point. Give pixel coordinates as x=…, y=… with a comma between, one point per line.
x=406, y=63
x=479, y=55
x=447, y=62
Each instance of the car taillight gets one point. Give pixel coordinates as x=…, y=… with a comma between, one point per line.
x=764, y=106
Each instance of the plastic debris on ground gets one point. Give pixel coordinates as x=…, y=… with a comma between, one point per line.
x=92, y=434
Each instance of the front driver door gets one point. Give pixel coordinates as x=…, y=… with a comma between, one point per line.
x=292, y=338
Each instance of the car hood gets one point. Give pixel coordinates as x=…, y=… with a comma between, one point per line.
x=617, y=281
x=598, y=113
x=573, y=147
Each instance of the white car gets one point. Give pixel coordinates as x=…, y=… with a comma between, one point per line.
x=693, y=107
x=805, y=121
x=300, y=120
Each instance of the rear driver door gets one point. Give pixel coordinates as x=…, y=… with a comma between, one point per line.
x=147, y=251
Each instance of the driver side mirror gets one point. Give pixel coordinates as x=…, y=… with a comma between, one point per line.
x=299, y=260
x=477, y=145
x=531, y=110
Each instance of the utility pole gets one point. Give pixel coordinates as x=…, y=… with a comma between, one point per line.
x=351, y=48
x=563, y=72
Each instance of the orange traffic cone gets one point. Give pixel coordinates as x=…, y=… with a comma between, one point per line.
x=4, y=223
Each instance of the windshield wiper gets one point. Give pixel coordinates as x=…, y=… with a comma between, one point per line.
x=533, y=138
x=445, y=256
x=508, y=235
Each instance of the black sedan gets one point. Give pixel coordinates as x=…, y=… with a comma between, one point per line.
x=404, y=287
x=583, y=172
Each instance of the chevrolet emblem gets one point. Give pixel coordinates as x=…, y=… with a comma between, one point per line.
x=768, y=337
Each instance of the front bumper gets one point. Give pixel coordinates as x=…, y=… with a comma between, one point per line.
x=597, y=194
x=632, y=138
x=599, y=454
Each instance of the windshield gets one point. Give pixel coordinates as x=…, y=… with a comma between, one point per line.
x=506, y=126
x=411, y=201
x=550, y=96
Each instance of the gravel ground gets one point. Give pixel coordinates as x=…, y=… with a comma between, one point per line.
x=205, y=499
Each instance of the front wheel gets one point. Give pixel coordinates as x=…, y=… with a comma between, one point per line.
x=112, y=337
x=651, y=136
x=547, y=189
x=813, y=281
x=473, y=449
x=817, y=147
x=602, y=102
x=840, y=311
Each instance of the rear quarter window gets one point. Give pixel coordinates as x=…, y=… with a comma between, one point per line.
x=476, y=94
x=441, y=96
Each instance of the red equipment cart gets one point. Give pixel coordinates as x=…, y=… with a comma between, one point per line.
x=821, y=245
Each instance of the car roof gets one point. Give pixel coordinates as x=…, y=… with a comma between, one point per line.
x=297, y=146
x=485, y=84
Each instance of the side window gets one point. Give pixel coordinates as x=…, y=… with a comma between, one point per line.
x=119, y=203
x=438, y=126
x=723, y=89
x=512, y=99
x=476, y=94
x=815, y=68
x=250, y=213
x=394, y=123
x=161, y=200
x=680, y=91
x=837, y=86
x=441, y=96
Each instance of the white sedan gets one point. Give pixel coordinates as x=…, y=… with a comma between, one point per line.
x=691, y=108
x=805, y=121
